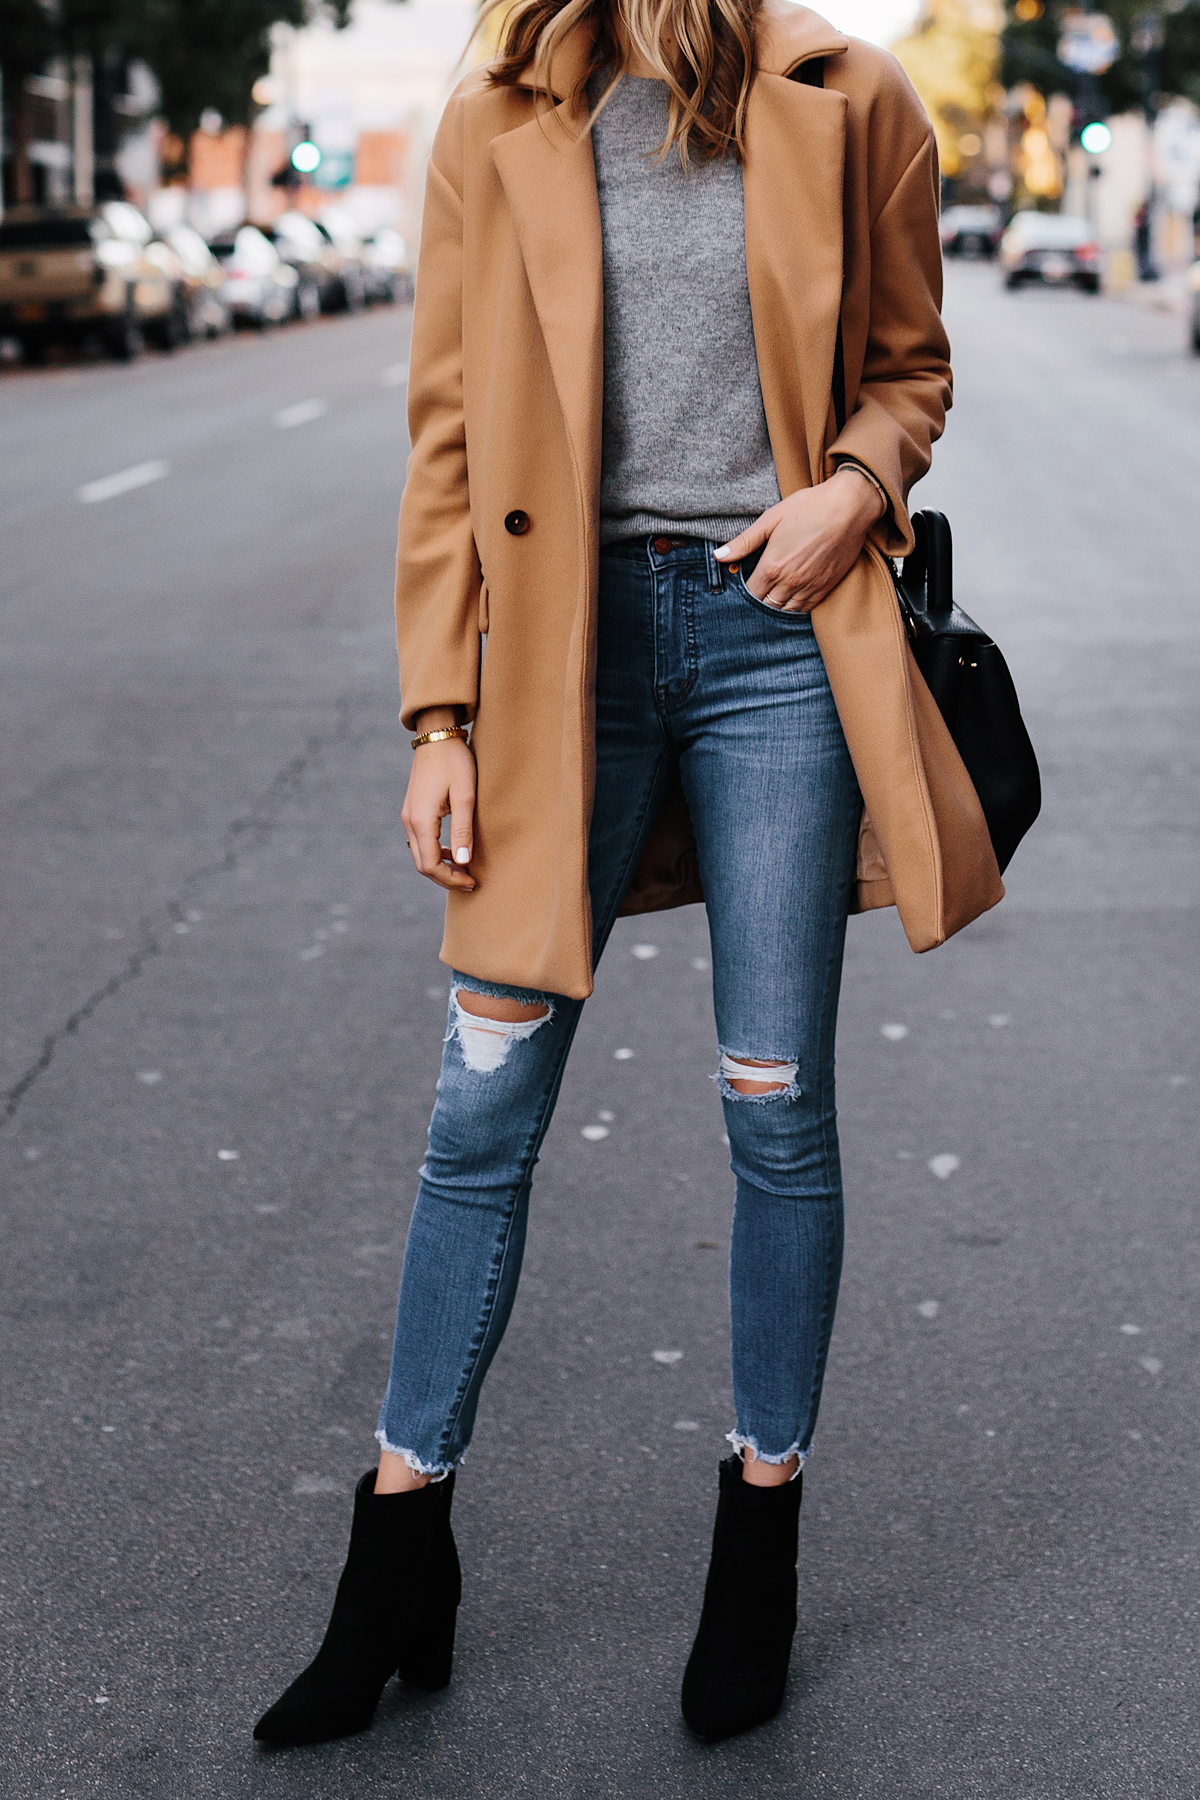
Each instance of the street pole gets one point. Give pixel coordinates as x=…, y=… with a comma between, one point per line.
x=1147, y=40
x=83, y=147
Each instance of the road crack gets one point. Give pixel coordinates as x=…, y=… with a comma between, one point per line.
x=241, y=835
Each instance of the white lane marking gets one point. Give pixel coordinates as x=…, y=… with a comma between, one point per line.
x=1132, y=1330
x=151, y=1077
x=929, y=1309
x=700, y=962
x=893, y=1033
x=303, y=413
x=124, y=482
x=685, y=1425
x=622, y=1055
x=394, y=376
x=667, y=1356
x=229, y=1155
x=999, y=1020
x=645, y=952
x=594, y=1133
x=1151, y=1364
x=943, y=1166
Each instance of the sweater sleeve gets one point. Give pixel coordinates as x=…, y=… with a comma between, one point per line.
x=904, y=391
x=438, y=577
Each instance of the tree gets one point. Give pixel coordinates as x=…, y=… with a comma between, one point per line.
x=1159, y=53
x=950, y=58
x=204, y=53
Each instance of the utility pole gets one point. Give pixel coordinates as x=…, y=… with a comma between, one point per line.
x=83, y=145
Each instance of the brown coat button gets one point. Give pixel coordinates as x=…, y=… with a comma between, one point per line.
x=517, y=522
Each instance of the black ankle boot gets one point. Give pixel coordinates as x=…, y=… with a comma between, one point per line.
x=737, y=1671
x=394, y=1615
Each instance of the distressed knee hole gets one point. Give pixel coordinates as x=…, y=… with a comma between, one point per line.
x=488, y=1025
x=751, y=1078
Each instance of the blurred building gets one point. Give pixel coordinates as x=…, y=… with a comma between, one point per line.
x=368, y=96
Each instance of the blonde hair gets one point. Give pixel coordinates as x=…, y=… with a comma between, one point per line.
x=702, y=49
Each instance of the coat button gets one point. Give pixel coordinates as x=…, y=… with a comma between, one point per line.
x=517, y=522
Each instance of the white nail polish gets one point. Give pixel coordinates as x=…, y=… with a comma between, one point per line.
x=462, y=854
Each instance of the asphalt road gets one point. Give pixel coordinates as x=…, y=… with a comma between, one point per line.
x=220, y=1029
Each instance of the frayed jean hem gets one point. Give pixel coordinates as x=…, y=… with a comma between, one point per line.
x=742, y=1443
x=436, y=1471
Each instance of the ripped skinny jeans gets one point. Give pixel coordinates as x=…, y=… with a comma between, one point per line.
x=693, y=674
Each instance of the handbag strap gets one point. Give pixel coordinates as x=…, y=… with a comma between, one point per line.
x=812, y=74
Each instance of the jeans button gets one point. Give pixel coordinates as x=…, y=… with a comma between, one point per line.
x=662, y=545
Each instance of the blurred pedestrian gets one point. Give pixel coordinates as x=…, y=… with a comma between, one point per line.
x=676, y=361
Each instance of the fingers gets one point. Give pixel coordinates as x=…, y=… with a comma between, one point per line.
x=750, y=539
x=440, y=785
x=462, y=821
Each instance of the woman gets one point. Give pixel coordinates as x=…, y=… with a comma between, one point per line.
x=676, y=361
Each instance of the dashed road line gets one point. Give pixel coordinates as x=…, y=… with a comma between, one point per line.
x=302, y=413
x=124, y=482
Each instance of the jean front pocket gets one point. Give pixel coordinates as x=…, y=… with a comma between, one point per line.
x=738, y=579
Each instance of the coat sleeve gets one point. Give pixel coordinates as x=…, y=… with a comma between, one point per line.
x=438, y=576
x=904, y=391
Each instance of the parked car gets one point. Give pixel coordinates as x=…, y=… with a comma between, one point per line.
x=1052, y=247
x=388, y=266
x=1193, y=292
x=259, y=287
x=971, y=230
x=348, y=246
x=202, y=282
x=310, y=252
x=71, y=275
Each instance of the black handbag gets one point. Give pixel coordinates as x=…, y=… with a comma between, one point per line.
x=961, y=666
x=969, y=680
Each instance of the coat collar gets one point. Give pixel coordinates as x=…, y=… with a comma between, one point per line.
x=787, y=36
x=795, y=138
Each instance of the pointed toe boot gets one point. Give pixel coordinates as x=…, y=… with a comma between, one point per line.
x=737, y=1672
x=394, y=1614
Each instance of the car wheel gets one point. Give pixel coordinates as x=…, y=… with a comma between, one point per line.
x=1089, y=284
x=1012, y=283
x=176, y=327
x=308, y=300
x=1195, y=331
x=127, y=340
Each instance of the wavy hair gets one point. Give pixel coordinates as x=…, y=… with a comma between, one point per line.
x=702, y=49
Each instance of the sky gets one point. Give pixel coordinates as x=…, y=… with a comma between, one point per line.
x=880, y=21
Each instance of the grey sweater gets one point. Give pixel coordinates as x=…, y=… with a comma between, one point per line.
x=685, y=449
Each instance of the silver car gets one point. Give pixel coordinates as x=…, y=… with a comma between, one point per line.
x=1050, y=247
x=259, y=288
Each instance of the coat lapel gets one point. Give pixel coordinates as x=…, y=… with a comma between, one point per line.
x=795, y=154
x=549, y=180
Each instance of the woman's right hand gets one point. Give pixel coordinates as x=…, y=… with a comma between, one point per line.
x=442, y=782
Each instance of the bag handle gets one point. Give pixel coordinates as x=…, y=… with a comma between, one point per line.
x=928, y=579
x=812, y=74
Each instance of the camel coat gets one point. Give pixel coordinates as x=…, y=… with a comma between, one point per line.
x=505, y=396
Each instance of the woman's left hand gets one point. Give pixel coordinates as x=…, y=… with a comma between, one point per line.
x=812, y=539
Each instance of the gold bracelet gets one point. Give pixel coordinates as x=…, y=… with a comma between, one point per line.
x=438, y=737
